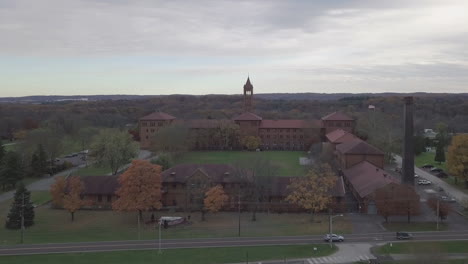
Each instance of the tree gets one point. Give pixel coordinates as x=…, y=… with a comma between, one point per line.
x=113, y=148
x=174, y=139
x=215, y=199
x=50, y=140
x=313, y=191
x=11, y=170
x=419, y=145
x=442, y=136
x=72, y=199
x=440, y=153
x=85, y=136
x=21, y=206
x=39, y=162
x=162, y=160
x=140, y=188
x=457, y=161
x=57, y=191
x=251, y=142
x=444, y=208
x=2, y=151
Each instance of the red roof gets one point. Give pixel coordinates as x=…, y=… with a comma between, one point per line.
x=247, y=116
x=340, y=136
x=158, y=116
x=337, y=116
x=289, y=123
x=366, y=178
x=357, y=146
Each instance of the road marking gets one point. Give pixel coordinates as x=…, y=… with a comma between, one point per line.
x=310, y=261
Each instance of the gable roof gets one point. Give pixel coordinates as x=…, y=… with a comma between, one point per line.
x=289, y=123
x=158, y=116
x=366, y=178
x=100, y=184
x=358, y=146
x=340, y=136
x=247, y=116
x=337, y=116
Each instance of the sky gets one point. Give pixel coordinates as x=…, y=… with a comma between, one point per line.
x=149, y=47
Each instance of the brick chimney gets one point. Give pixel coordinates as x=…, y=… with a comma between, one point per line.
x=408, y=144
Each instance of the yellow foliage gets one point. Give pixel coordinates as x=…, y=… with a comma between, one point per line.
x=57, y=190
x=313, y=191
x=457, y=157
x=215, y=199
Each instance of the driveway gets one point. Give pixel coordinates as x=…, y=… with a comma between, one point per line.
x=452, y=191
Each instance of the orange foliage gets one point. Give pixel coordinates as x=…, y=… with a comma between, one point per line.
x=215, y=199
x=57, y=191
x=140, y=188
x=72, y=200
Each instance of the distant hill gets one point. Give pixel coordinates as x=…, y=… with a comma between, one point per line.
x=265, y=96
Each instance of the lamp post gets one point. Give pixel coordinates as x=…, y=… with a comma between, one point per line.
x=159, y=235
x=330, y=238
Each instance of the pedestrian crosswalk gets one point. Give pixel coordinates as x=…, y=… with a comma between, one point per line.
x=323, y=260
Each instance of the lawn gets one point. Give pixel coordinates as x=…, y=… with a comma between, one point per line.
x=40, y=197
x=286, y=161
x=53, y=225
x=92, y=170
x=428, y=158
x=180, y=256
x=424, y=247
x=415, y=226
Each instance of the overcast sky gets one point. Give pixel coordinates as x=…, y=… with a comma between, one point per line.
x=69, y=47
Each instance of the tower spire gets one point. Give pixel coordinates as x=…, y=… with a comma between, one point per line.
x=248, y=95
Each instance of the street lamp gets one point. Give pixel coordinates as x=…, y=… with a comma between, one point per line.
x=330, y=238
x=159, y=234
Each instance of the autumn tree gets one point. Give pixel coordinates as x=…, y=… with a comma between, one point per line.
x=457, y=161
x=57, y=191
x=113, y=148
x=312, y=192
x=215, y=199
x=444, y=208
x=72, y=200
x=251, y=142
x=140, y=188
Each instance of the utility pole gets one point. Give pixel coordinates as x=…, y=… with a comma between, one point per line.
x=159, y=250
x=437, y=221
x=239, y=214
x=330, y=239
x=22, y=220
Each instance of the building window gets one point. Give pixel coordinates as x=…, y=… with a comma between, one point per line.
x=152, y=123
x=146, y=137
x=160, y=123
x=338, y=124
x=147, y=130
x=301, y=136
x=152, y=130
x=174, y=185
x=268, y=130
x=281, y=136
x=99, y=198
x=109, y=198
x=281, y=130
x=174, y=202
x=268, y=136
x=348, y=124
x=143, y=124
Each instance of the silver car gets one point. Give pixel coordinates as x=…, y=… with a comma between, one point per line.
x=334, y=238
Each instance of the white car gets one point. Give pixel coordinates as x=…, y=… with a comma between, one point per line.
x=416, y=176
x=334, y=238
x=424, y=182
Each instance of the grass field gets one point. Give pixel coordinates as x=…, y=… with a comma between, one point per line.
x=424, y=247
x=180, y=256
x=428, y=158
x=53, y=225
x=286, y=161
x=414, y=227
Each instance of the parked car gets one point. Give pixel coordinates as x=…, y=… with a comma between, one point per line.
x=447, y=199
x=437, y=170
x=416, y=176
x=424, y=182
x=334, y=238
x=427, y=166
x=404, y=235
x=442, y=175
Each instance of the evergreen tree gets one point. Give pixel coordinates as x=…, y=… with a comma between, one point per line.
x=11, y=170
x=39, y=162
x=440, y=153
x=2, y=151
x=21, y=205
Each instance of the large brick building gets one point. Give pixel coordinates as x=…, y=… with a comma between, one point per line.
x=287, y=134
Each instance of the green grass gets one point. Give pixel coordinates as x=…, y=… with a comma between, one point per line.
x=414, y=227
x=424, y=247
x=9, y=147
x=428, y=158
x=179, y=256
x=40, y=197
x=286, y=161
x=92, y=170
x=52, y=225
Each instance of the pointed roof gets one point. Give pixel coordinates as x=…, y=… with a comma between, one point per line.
x=366, y=178
x=340, y=136
x=358, y=146
x=337, y=116
x=247, y=116
x=248, y=84
x=158, y=116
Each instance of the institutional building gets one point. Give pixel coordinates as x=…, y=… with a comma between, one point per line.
x=274, y=134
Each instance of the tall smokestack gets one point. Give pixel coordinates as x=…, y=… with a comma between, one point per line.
x=408, y=144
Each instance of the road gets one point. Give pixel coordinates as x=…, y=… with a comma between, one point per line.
x=452, y=191
x=216, y=242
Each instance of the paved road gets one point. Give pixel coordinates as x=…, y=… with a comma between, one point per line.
x=216, y=242
x=452, y=191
